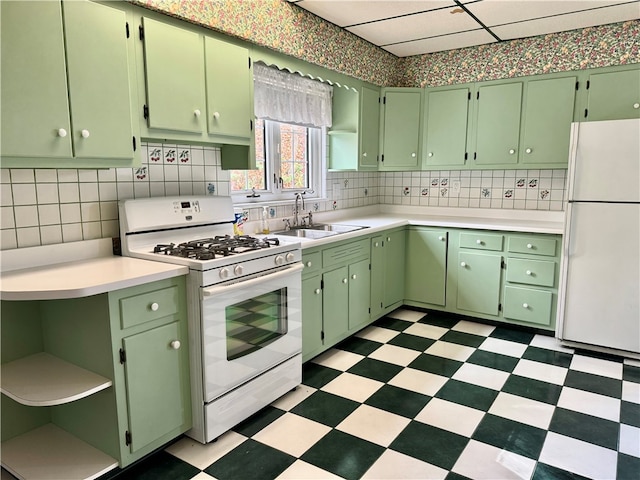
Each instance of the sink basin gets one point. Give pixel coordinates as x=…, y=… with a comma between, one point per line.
x=335, y=227
x=320, y=230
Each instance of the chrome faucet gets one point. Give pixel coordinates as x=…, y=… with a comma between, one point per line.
x=296, y=208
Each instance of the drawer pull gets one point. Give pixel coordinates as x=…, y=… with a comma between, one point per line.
x=196, y=113
x=479, y=242
x=317, y=291
x=175, y=344
x=525, y=305
x=529, y=272
x=529, y=246
x=512, y=151
x=354, y=276
x=441, y=238
x=636, y=105
x=344, y=280
x=528, y=150
x=154, y=307
x=309, y=264
x=463, y=264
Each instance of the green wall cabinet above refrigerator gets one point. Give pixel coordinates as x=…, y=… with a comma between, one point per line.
x=67, y=86
x=613, y=95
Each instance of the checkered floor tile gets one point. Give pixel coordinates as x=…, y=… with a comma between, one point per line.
x=425, y=396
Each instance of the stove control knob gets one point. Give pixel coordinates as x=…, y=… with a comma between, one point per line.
x=289, y=257
x=238, y=270
x=279, y=260
x=224, y=273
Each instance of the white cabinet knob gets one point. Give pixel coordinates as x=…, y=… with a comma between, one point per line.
x=529, y=246
x=85, y=133
x=479, y=242
x=364, y=154
x=525, y=305
x=388, y=239
x=430, y=154
x=463, y=264
x=529, y=272
x=175, y=344
x=636, y=105
x=154, y=307
x=308, y=264
x=441, y=238
x=62, y=132
x=375, y=244
x=317, y=291
x=512, y=151
x=196, y=112
x=216, y=115
x=354, y=276
x=413, y=154
x=344, y=280
x=528, y=150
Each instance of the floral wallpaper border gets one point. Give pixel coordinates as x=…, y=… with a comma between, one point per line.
x=286, y=28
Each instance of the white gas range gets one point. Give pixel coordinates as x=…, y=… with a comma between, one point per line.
x=245, y=306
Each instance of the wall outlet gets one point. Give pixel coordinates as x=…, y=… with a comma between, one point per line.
x=455, y=186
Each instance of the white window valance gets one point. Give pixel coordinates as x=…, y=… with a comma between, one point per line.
x=288, y=97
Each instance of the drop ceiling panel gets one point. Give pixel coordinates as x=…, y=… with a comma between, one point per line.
x=437, y=44
x=569, y=21
x=343, y=13
x=415, y=27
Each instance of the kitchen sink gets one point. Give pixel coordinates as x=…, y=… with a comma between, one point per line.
x=319, y=230
x=335, y=227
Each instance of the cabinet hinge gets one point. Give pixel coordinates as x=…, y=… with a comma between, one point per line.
x=477, y=95
x=126, y=26
x=588, y=84
x=141, y=32
x=586, y=112
x=251, y=125
x=499, y=307
x=384, y=100
x=249, y=63
x=321, y=334
x=369, y=311
x=321, y=284
x=474, y=155
x=469, y=96
x=382, y=157
x=503, y=265
x=134, y=144
x=577, y=85
x=123, y=355
x=369, y=266
x=145, y=112
x=465, y=155
x=127, y=438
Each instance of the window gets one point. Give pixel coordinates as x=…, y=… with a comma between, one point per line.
x=289, y=158
x=292, y=113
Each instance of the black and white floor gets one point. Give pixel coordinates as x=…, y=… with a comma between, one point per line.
x=425, y=396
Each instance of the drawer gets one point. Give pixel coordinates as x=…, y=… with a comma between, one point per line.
x=534, y=245
x=345, y=253
x=148, y=306
x=312, y=262
x=481, y=241
x=528, y=305
x=531, y=272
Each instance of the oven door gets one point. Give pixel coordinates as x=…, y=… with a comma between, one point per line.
x=249, y=327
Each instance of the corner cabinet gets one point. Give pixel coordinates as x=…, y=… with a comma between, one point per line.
x=613, y=95
x=85, y=393
x=401, y=129
x=68, y=86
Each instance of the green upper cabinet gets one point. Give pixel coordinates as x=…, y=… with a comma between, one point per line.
x=613, y=95
x=545, y=135
x=497, y=124
x=446, y=120
x=174, y=78
x=369, y=128
x=66, y=85
x=401, y=129
x=229, y=84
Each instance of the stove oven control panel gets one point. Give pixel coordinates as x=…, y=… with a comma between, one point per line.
x=186, y=207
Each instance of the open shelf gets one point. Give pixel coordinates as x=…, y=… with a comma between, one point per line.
x=49, y=453
x=43, y=380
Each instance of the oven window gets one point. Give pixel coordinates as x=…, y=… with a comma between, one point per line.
x=255, y=323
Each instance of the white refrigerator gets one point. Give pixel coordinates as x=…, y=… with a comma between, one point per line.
x=599, y=293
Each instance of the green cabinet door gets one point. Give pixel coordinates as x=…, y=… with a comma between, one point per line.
x=229, y=89
x=446, y=127
x=401, y=135
x=369, y=128
x=377, y=276
x=174, y=75
x=153, y=374
x=478, y=282
x=497, y=124
x=99, y=91
x=547, y=118
x=614, y=95
x=359, y=291
x=394, y=255
x=426, y=266
x=311, y=317
x=35, y=110
x=335, y=304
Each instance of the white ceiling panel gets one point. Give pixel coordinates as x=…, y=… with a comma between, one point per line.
x=499, y=12
x=445, y=42
x=343, y=13
x=415, y=27
x=569, y=21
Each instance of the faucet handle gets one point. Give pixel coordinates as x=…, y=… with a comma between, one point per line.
x=287, y=224
x=310, y=217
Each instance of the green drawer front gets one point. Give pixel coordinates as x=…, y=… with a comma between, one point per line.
x=481, y=241
x=149, y=306
x=531, y=272
x=345, y=253
x=534, y=245
x=528, y=305
x=312, y=263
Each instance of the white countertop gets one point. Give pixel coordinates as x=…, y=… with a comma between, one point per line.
x=82, y=277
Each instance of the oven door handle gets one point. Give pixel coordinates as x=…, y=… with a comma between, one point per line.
x=211, y=291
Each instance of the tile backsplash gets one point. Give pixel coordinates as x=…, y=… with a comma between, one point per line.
x=47, y=206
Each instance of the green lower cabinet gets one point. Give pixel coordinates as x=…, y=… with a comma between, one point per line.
x=335, y=304
x=478, y=282
x=528, y=305
x=359, y=294
x=311, y=317
x=426, y=266
x=387, y=271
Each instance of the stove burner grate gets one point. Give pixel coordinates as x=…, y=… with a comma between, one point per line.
x=215, y=247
